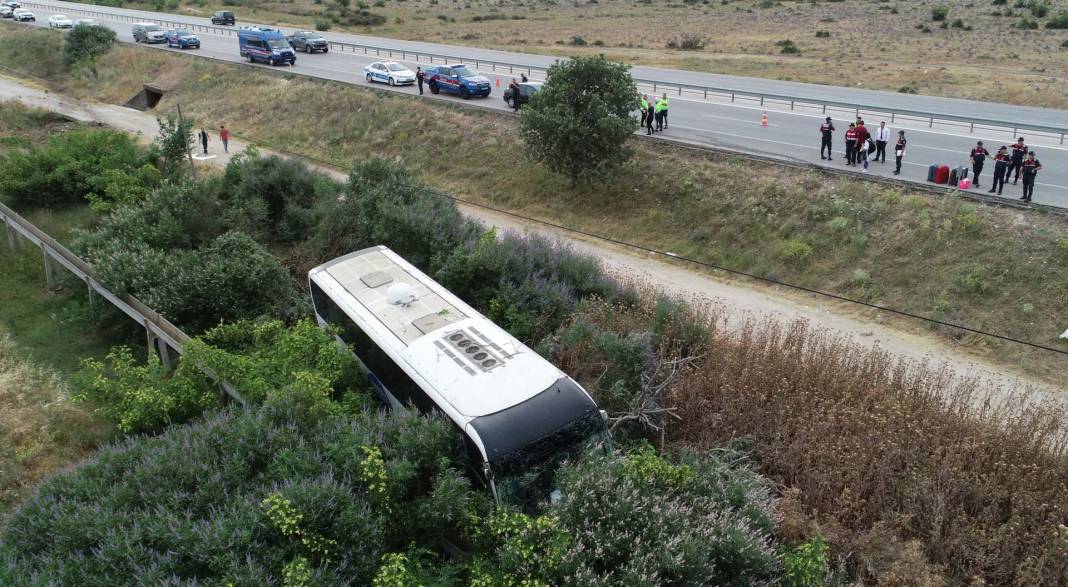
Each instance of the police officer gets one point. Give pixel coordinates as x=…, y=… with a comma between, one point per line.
x=650, y=109
x=1031, y=167
x=514, y=87
x=644, y=106
x=658, y=109
x=978, y=156
x=899, y=151
x=851, y=144
x=419, y=75
x=1001, y=164
x=1019, y=151
x=826, y=130
x=663, y=113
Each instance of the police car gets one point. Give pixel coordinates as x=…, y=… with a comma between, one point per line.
x=390, y=72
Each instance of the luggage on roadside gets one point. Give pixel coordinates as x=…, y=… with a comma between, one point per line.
x=954, y=176
x=962, y=172
x=965, y=184
x=932, y=171
x=942, y=175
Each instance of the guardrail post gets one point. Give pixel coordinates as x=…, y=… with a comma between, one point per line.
x=930, y=124
x=49, y=278
x=680, y=90
x=1062, y=138
x=972, y=128
x=892, y=116
x=732, y=97
x=762, y=100
x=791, y=104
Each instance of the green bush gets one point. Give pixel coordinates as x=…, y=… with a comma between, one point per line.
x=85, y=164
x=242, y=498
x=322, y=24
x=806, y=564
x=84, y=43
x=270, y=198
x=1059, y=22
x=939, y=13
x=1039, y=9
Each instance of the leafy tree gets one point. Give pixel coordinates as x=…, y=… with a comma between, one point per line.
x=173, y=144
x=85, y=43
x=579, y=122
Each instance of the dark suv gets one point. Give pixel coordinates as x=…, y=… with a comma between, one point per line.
x=223, y=17
x=308, y=41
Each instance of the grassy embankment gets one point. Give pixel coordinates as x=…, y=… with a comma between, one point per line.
x=891, y=49
x=43, y=336
x=996, y=269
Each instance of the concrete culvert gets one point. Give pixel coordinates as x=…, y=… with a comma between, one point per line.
x=146, y=99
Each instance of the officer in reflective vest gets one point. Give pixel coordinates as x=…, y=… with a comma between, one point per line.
x=645, y=107
x=661, y=105
x=663, y=113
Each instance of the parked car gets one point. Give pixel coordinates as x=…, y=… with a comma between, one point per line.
x=148, y=32
x=309, y=41
x=457, y=79
x=23, y=15
x=85, y=22
x=223, y=17
x=11, y=4
x=6, y=12
x=390, y=72
x=265, y=44
x=59, y=21
x=526, y=90
x=182, y=39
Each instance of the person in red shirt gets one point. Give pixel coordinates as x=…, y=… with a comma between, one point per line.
x=1031, y=167
x=851, y=144
x=224, y=136
x=978, y=156
x=862, y=134
x=1001, y=163
x=1019, y=151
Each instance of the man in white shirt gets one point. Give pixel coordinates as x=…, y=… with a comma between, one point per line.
x=882, y=136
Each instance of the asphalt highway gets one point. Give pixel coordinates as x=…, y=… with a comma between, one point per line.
x=791, y=134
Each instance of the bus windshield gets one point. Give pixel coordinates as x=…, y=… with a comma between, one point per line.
x=526, y=475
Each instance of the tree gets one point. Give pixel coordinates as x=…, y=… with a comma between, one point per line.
x=85, y=43
x=174, y=142
x=579, y=122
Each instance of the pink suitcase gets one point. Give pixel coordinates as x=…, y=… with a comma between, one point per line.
x=965, y=184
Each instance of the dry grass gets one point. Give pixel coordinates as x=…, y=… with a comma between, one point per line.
x=994, y=62
x=991, y=268
x=41, y=430
x=916, y=477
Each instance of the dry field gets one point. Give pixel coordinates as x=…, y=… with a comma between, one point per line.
x=873, y=44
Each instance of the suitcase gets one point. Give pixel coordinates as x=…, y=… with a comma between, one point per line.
x=953, y=174
x=965, y=184
x=962, y=172
x=932, y=171
x=942, y=176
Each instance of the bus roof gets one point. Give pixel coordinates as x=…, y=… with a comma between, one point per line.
x=472, y=365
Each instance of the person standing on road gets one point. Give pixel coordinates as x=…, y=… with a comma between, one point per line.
x=514, y=87
x=851, y=144
x=224, y=136
x=1019, y=151
x=663, y=113
x=658, y=110
x=1001, y=164
x=882, y=136
x=863, y=149
x=899, y=151
x=1031, y=167
x=826, y=130
x=645, y=106
x=650, y=111
x=862, y=135
x=419, y=75
x=204, y=140
x=523, y=78
x=979, y=155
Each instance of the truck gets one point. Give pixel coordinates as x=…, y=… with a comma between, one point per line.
x=309, y=41
x=457, y=78
x=265, y=44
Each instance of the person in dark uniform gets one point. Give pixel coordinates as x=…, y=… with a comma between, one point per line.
x=514, y=87
x=978, y=156
x=1019, y=151
x=523, y=78
x=650, y=111
x=899, y=151
x=826, y=130
x=203, y=135
x=851, y=144
x=1030, y=167
x=419, y=75
x=1001, y=164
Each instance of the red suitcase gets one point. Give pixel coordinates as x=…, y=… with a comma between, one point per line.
x=942, y=175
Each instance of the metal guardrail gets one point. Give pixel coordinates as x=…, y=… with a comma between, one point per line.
x=794, y=102
x=159, y=332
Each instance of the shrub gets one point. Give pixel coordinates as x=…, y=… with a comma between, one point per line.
x=788, y=47
x=244, y=497
x=823, y=34
x=577, y=41
x=141, y=398
x=1027, y=24
x=580, y=122
x=688, y=42
x=1059, y=22
x=271, y=198
x=78, y=165
x=1039, y=9
x=322, y=24
x=806, y=564
x=939, y=13
x=84, y=43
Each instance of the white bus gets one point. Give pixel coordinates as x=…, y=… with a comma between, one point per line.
x=422, y=346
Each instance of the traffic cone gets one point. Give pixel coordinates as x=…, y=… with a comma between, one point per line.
x=764, y=119
x=498, y=82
